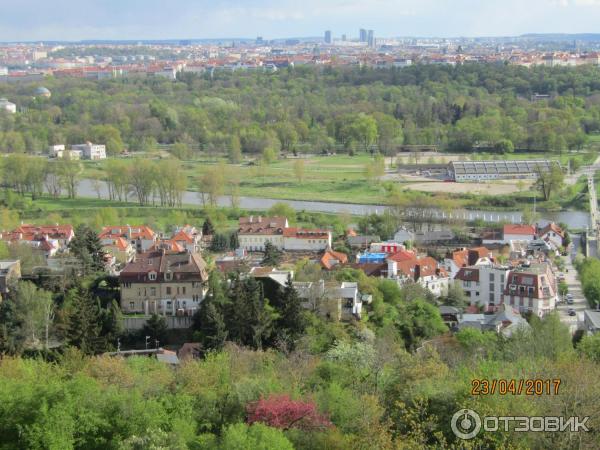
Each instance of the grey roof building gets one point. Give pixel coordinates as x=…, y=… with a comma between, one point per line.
x=497, y=170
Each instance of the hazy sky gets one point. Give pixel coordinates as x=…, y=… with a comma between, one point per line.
x=162, y=19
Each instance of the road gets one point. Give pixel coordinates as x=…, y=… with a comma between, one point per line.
x=579, y=301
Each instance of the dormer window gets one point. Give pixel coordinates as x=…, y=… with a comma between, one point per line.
x=169, y=276
x=152, y=276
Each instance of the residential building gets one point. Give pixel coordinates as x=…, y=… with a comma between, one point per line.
x=531, y=288
x=306, y=240
x=504, y=321
x=10, y=274
x=119, y=248
x=50, y=239
x=331, y=300
x=553, y=235
x=404, y=235
x=91, y=151
x=7, y=106
x=255, y=231
x=361, y=241
x=332, y=259
x=142, y=238
x=464, y=257
x=188, y=237
x=405, y=267
x=386, y=247
x=161, y=282
x=484, y=283
x=517, y=232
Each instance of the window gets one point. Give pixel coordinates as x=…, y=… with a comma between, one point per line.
x=131, y=305
x=168, y=276
x=153, y=291
x=152, y=276
x=177, y=290
x=477, y=294
x=183, y=290
x=168, y=290
x=492, y=287
x=491, y=277
x=491, y=298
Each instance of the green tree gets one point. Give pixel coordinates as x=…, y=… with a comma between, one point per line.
x=418, y=321
x=257, y=437
x=549, y=181
x=86, y=247
x=272, y=255
x=156, y=328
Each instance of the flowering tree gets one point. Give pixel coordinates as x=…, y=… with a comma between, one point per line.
x=280, y=411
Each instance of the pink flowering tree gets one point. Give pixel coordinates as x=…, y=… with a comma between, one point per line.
x=280, y=411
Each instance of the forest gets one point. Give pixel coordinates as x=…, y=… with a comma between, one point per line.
x=462, y=108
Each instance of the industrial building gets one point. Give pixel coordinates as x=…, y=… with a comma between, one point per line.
x=461, y=171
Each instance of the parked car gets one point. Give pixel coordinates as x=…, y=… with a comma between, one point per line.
x=571, y=312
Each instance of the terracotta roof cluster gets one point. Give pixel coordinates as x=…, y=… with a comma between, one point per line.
x=119, y=243
x=331, y=258
x=403, y=255
x=40, y=232
x=183, y=266
x=469, y=256
x=525, y=230
x=420, y=267
x=128, y=232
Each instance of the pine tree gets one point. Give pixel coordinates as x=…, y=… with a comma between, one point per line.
x=83, y=320
x=291, y=312
x=272, y=255
x=86, y=247
x=209, y=321
x=233, y=241
x=207, y=228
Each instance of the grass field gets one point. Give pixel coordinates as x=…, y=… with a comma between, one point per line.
x=342, y=178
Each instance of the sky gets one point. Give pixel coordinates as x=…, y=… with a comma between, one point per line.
x=29, y=20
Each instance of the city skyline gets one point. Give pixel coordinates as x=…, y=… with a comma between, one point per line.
x=66, y=20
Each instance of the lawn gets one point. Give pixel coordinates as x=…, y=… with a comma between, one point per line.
x=336, y=178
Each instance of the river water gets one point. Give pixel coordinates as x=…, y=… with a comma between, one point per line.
x=573, y=219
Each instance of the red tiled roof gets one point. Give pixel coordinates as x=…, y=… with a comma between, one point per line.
x=403, y=255
x=330, y=255
x=128, y=232
x=525, y=230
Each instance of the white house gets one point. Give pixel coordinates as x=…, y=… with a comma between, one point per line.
x=7, y=106
x=405, y=267
x=553, y=235
x=484, y=283
x=306, y=240
x=517, y=232
x=91, y=151
x=255, y=231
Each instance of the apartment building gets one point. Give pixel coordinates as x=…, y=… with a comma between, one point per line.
x=483, y=283
x=531, y=288
x=165, y=283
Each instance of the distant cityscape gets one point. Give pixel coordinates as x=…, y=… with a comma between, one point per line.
x=106, y=59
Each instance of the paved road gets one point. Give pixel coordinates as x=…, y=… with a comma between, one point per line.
x=579, y=301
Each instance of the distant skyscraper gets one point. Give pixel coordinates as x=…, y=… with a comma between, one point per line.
x=344, y=37
x=259, y=40
x=328, y=37
x=363, y=35
x=371, y=38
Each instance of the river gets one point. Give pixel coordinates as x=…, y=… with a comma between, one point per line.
x=573, y=219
